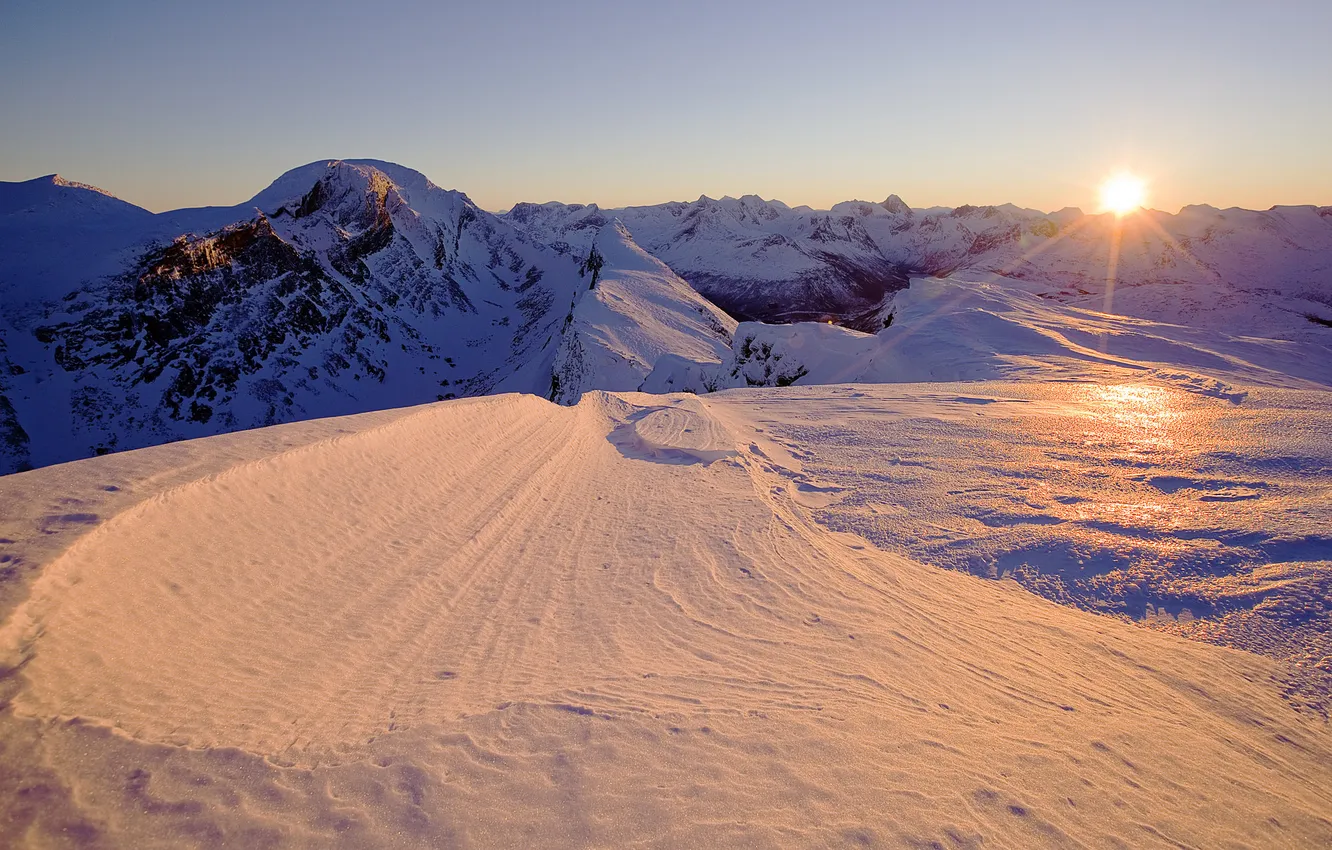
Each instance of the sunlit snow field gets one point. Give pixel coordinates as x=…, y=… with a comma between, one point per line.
x=641, y=621
x=1201, y=515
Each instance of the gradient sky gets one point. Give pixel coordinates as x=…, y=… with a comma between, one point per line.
x=170, y=104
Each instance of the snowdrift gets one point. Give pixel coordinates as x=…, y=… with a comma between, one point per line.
x=500, y=621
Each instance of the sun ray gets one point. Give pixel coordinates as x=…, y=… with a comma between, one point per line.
x=1042, y=247
x=1112, y=272
x=1174, y=244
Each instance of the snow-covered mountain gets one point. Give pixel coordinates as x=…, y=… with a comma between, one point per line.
x=971, y=328
x=356, y=285
x=756, y=259
x=763, y=260
x=342, y=287
x=635, y=312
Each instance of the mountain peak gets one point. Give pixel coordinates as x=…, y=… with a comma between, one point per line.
x=896, y=206
x=297, y=182
x=55, y=192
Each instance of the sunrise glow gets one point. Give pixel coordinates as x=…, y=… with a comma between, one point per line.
x=1123, y=193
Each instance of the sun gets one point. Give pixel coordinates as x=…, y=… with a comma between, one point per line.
x=1123, y=193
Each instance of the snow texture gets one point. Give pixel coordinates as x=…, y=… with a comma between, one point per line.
x=500, y=621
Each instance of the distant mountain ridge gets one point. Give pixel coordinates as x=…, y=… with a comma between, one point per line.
x=764, y=260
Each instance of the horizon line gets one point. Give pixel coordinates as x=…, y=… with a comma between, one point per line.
x=372, y=161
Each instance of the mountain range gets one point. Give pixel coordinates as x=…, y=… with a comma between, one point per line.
x=355, y=285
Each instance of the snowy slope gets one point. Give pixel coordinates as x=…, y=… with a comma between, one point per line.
x=634, y=311
x=500, y=622
x=54, y=234
x=960, y=329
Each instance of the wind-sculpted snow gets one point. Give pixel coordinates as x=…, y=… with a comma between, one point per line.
x=501, y=622
x=1200, y=512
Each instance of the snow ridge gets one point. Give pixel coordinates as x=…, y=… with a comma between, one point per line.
x=634, y=311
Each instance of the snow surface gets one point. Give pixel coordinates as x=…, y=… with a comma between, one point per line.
x=643, y=620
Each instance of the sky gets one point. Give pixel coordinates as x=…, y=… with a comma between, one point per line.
x=172, y=104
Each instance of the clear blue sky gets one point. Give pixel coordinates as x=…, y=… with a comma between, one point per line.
x=171, y=104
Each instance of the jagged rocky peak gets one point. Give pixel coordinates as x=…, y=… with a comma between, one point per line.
x=896, y=206
x=969, y=210
x=760, y=209
x=526, y=212
x=188, y=255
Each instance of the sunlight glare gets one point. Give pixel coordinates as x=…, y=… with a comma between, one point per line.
x=1123, y=193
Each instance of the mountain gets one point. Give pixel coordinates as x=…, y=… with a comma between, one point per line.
x=635, y=312
x=756, y=259
x=355, y=285
x=970, y=328
x=344, y=286
x=55, y=233
x=763, y=260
